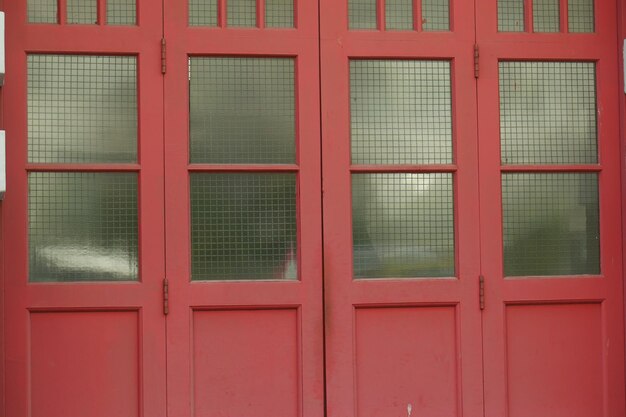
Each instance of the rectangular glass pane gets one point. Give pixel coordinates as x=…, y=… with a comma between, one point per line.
x=243, y=226
x=82, y=11
x=435, y=15
x=399, y=14
x=580, y=16
x=401, y=112
x=511, y=16
x=82, y=227
x=362, y=14
x=279, y=13
x=121, y=12
x=82, y=109
x=546, y=16
x=548, y=113
x=42, y=11
x=242, y=110
x=403, y=225
x=241, y=13
x=551, y=224
x=202, y=12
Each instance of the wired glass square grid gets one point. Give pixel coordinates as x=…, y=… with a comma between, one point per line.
x=202, y=12
x=403, y=225
x=82, y=109
x=550, y=224
x=511, y=16
x=399, y=14
x=546, y=16
x=42, y=11
x=279, y=13
x=580, y=16
x=548, y=113
x=242, y=110
x=435, y=15
x=401, y=112
x=362, y=14
x=121, y=12
x=82, y=227
x=243, y=226
x=82, y=11
x=241, y=13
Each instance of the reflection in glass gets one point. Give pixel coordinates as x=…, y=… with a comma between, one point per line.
x=580, y=16
x=399, y=14
x=510, y=15
x=202, y=12
x=82, y=11
x=546, y=16
x=241, y=13
x=435, y=15
x=121, y=12
x=279, y=13
x=243, y=226
x=362, y=14
x=551, y=224
x=403, y=225
x=82, y=226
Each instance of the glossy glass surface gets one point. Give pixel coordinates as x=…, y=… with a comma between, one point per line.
x=435, y=15
x=399, y=14
x=403, y=225
x=362, y=14
x=82, y=11
x=546, y=16
x=511, y=16
x=202, y=12
x=243, y=226
x=82, y=227
x=279, y=13
x=42, y=11
x=580, y=16
x=241, y=13
x=121, y=12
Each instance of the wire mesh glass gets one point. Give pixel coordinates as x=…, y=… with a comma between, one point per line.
x=511, y=16
x=399, y=14
x=242, y=110
x=42, y=11
x=435, y=15
x=243, y=226
x=82, y=227
x=403, y=225
x=241, y=13
x=82, y=11
x=203, y=12
x=121, y=12
x=546, y=16
x=548, y=113
x=580, y=16
x=401, y=112
x=362, y=14
x=279, y=13
x=82, y=109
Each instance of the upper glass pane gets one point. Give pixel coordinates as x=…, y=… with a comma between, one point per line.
x=550, y=224
x=401, y=112
x=362, y=14
x=511, y=16
x=42, y=11
x=82, y=109
x=399, y=14
x=279, y=13
x=241, y=13
x=82, y=11
x=121, y=12
x=548, y=113
x=202, y=12
x=243, y=226
x=546, y=16
x=242, y=110
x=435, y=15
x=82, y=227
x=580, y=16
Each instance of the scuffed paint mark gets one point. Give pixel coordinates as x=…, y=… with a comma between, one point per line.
x=409, y=409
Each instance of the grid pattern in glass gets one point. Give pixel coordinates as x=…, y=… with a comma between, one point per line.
x=82, y=11
x=241, y=13
x=121, y=12
x=548, y=113
x=401, y=112
x=546, y=16
x=243, y=226
x=202, y=12
x=82, y=227
x=242, y=110
x=435, y=15
x=403, y=225
x=82, y=108
x=362, y=14
x=511, y=15
x=551, y=224
x=42, y=11
x=279, y=13
x=399, y=14
x=580, y=16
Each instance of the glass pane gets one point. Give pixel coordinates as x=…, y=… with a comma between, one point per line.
x=82, y=226
x=551, y=224
x=399, y=14
x=435, y=15
x=403, y=225
x=546, y=16
x=511, y=15
x=202, y=12
x=279, y=13
x=121, y=12
x=82, y=109
x=243, y=226
x=241, y=13
x=401, y=112
x=580, y=16
x=242, y=110
x=362, y=14
x=82, y=11
x=42, y=11
x=548, y=113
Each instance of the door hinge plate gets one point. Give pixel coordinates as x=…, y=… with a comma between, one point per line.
x=166, y=297
x=476, y=61
x=163, y=56
x=481, y=292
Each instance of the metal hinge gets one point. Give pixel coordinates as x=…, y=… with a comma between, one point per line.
x=476, y=61
x=481, y=292
x=163, y=56
x=166, y=297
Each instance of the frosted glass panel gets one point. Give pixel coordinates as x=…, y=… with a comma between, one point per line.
x=42, y=11
x=362, y=14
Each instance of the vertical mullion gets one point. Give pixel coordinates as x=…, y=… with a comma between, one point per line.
x=221, y=13
x=260, y=14
x=62, y=11
x=102, y=12
x=380, y=13
x=564, y=19
x=417, y=15
x=528, y=16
